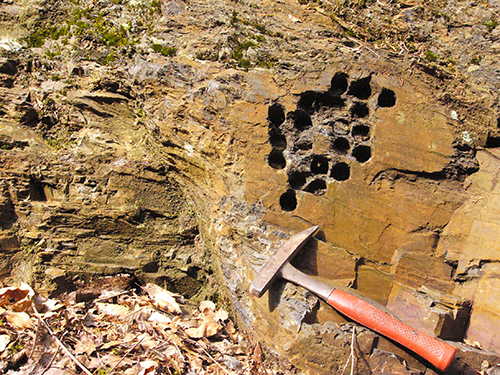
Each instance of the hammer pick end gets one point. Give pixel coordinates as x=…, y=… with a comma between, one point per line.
x=286, y=252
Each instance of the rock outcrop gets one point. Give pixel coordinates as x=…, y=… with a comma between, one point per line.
x=183, y=142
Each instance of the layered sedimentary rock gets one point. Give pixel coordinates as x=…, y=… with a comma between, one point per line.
x=196, y=164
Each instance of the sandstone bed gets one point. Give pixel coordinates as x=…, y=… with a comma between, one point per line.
x=183, y=141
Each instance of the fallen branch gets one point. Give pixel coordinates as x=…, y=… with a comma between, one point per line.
x=125, y=355
x=61, y=345
x=50, y=362
x=353, y=354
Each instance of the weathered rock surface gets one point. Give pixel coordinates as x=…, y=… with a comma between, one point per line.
x=173, y=140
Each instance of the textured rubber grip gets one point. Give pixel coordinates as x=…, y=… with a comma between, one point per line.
x=438, y=353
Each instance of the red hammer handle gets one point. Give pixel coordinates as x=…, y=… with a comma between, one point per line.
x=436, y=352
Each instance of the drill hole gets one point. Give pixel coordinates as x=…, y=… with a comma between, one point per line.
x=361, y=132
x=328, y=100
x=319, y=165
x=288, y=200
x=307, y=99
x=276, y=160
x=277, y=140
x=387, y=98
x=313, y=100
x=276, y=114
x=361, y=88
x=301, y=120
x=359, y=110
x=341, y=171
x=338, y=84
x=362, y=153
x=297, y=180
x=341, y=145
x=492, y=142
x=317, y=187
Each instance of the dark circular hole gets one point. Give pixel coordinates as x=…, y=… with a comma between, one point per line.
x=359, y=110
x=387, y=98
x=319, y=165
x=339, y=83
x=308, y=99
x=301, y=120
x=462, y=146
x=328, y=100
x=314, y=99
x=317, y=187
x=297, y=180
x=362, y=153
x=341, y=145
x=341, y=171
x=361, y=132
x=277, y=140
x=361, y=88
x=276, y=114
x=492, y=142
x=276, y=159
x=288, y=200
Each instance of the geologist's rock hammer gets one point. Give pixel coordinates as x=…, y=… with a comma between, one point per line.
x=438, y=353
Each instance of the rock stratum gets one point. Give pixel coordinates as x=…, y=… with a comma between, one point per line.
x=182, y=142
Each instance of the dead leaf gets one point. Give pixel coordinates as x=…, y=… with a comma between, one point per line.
x=147, y=342
x=148, y=367
x=112, y=309
x=112, y=360
x=4, y=341
x=162, y=298
x=18, y=298
x=58, y=371
x=207, y=328
x=157, y=317
x=85, y=345
x=110, y=344
x=18, y=320
x=221, y=315
x=237, y=350
x=207, y=307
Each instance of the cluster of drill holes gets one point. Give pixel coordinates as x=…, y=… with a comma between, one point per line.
x=341, y=114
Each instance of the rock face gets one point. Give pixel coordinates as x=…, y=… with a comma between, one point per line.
x=196, y=138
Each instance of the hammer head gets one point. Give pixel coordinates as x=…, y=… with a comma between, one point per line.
x=286, y=252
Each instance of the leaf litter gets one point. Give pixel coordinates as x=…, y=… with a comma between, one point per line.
x=120, y=331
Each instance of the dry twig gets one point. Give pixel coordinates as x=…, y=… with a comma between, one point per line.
x=61, y=345
x=217, y=363
x=125, y=355
x=352, y=354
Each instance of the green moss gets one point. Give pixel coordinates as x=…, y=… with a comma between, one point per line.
x=52, y=54
x=36, y=38
x=165, y=51
x=241, y=48
x=244, y=63
x=234, y=18
x=476, y=59
x=491, y=24
x=430, y=56
x=155, y=6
